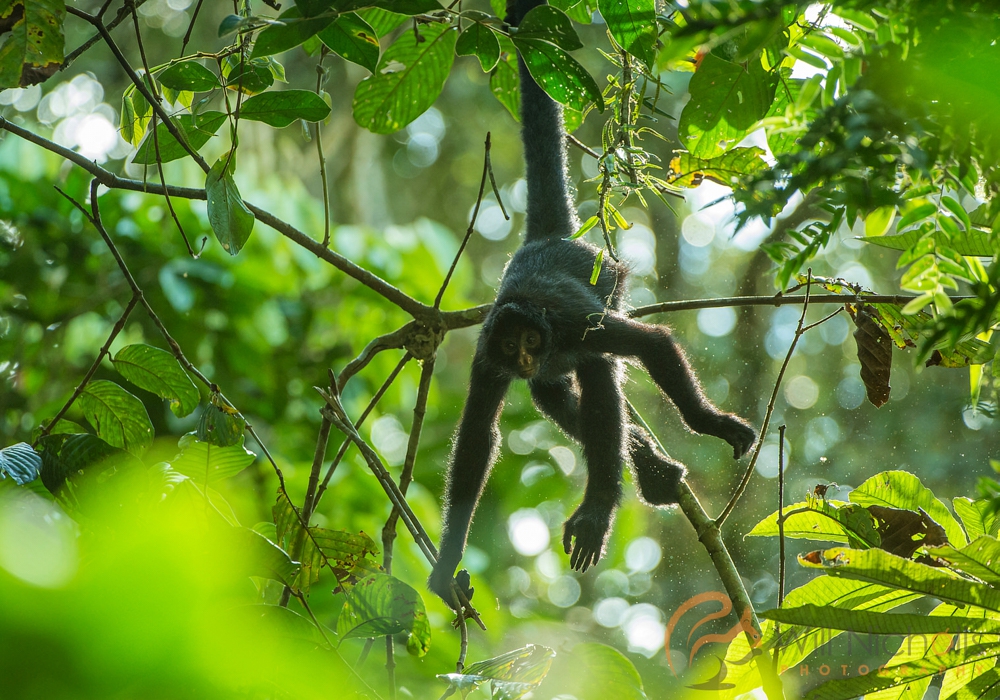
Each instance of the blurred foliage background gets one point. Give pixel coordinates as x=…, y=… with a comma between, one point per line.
x=266, y=325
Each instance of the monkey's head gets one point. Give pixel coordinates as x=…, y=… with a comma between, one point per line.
x=518, y=338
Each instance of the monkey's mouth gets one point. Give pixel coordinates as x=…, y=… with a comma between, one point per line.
x=527, y=372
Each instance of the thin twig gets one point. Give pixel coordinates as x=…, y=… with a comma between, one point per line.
x=123, y=14
x=115, y=330
x=710, y=537
x=190, y=29
x=320, y=76
x=472, y=223
x=781, y=536
x=770, y=409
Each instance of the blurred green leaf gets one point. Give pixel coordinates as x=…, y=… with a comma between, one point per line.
x=206, y=463
x=968, y=242
x=281, y=108
x=158, y=371
x=69, y=456
x=290, y=30
x=512, y=675
x=687, y=170
x=505, y=84
x=189, y=75
x=265, y=557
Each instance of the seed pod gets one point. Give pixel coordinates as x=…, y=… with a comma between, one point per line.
x=875, y=354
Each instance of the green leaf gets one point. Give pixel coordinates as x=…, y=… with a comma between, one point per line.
x=879, y=221
x=189, y=75
x=265, y=557
x=33, y=49
x=381, y=605
x=206, y=463
x=218, y=426
x=20, y=462
x=867, y=622
x=978, y=517
x=196, y=128
x=290, y=30
x=136, y=115
x=513, y=674
x=632, y=23
x=727, y=99
x=595, y=273
x=687, y=170
x=899, y=489
x=231, y=221
x=69, y=457
x=505, y=84
x=980, y=558
x=279, y=109
x=353, y=39
x=480, y=41
x=878, y=566
x=119, y=418
x=559, y=75
x=249, y=77
x=609, y=673
x=158, y=371
x=546, y=23
x=952, y=205
x=409, y=78
x=382, y=21
x=585, y=226
x=824, y=521
x=918, y=212
x=971, y=242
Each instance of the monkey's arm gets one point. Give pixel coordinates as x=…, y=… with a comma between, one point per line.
x=668, y=367
x=475, y=450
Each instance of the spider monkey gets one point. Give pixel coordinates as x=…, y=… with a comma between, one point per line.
x=551, y=326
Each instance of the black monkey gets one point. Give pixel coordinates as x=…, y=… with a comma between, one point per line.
x=551, y=326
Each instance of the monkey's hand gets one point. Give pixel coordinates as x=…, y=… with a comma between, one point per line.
x=440, y=582
x=589, y=526
x=737, y=432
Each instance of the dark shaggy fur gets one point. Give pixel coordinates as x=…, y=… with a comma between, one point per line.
x=577, y=378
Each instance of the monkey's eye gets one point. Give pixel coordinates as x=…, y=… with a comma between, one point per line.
x=509, y=347
x=532, y=340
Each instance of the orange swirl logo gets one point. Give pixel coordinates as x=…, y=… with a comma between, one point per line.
x=743, y=626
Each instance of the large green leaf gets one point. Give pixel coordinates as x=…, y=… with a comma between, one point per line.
x=218, y=425
x=867, y=622
x=351, y=38
x=727, y=99
x=196, y=128
x=559, y=75
x=409, y=78
x=878, y=566
x=481, y=41
x=546, y=23
x=20, y=462
x=158, y=371
x=380, y=605
x=282, y=108
x=632, y=23
x=206, y=463
x=189, y=75
x=289, y=30
x=119, y=418
x=604, y=672
x=512, y=675
x=899, y=489
x=265, y=557
x=687, y=170
x=33, y=50
x=978, y=517
x=824, y=521
x=231, y=221
x=974, y=242
x=980, y=558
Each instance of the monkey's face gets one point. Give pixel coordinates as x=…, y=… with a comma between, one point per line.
x=522, y=346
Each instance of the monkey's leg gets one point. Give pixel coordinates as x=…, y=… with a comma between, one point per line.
x=657, y=475
x=602, y=431
x=668, y=367
x=475, y=451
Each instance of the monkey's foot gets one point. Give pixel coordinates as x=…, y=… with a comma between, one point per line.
x=659, y=479
x=440, y=582
x=589, y=527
